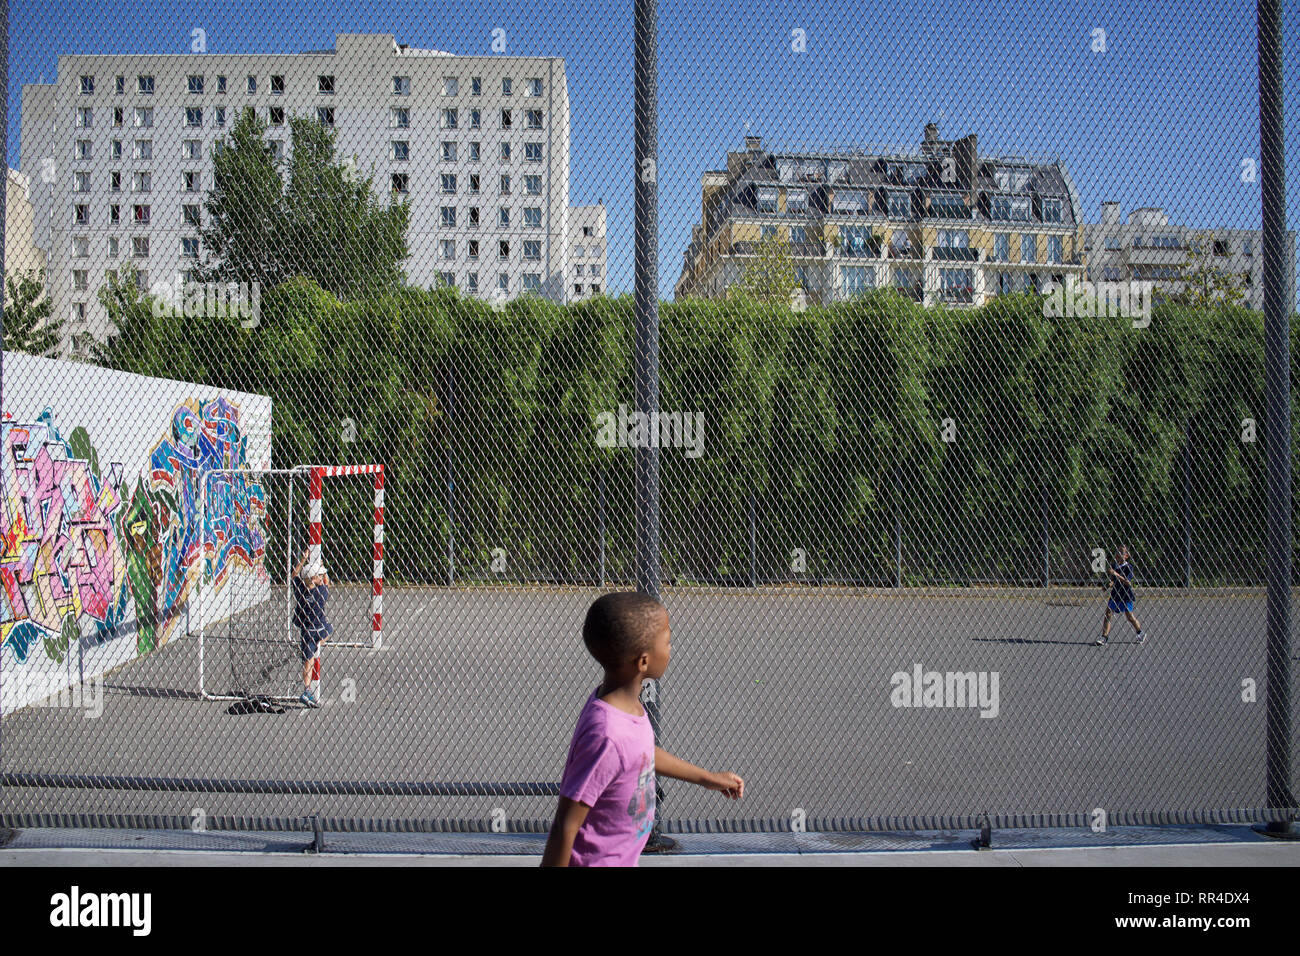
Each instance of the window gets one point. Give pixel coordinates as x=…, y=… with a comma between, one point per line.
x=857, y=279
x=81, y=182
x=190, y=216
x=277, y=149
x=325, y=115
x=400, y=118
x=948, y=205
x=141, y=182
x=1005, y=285
x=144, y=85
x=473, y=182
x=577, y=270
x=193, y=117
x=1221, y=248
x=400, y=184
x=324, y=85
x=534, y=118
x=449, y=182
x=471, y=282
x=954, y=239
x=595, y=268
x=798, y=235
x=252, y=85
x=447, y=278
x=119, y=117
x=119, y=85
x=80, y=280
x=448, y=151
x=476, y=86
x=194, y=83
x=277, y=85
x=448, y=247
x=533, y=249
x=276, y=115
x=532, y=282
x=908, y=282
x=189, y=248
x=505, y=119
x=140, y=247
x=577, y=288
x=87, y=86
x=80, y=247
x=1051, y=209
x=473, y=248
x=580, y=251
x=401, y=149
x=505, y=185
x=191, y=181
x=506, y=86
x=1055, y=248
x=401, y=86
x=900, y=206
x=450, y=118
x=115, y=149
x=143, y=149
x=533, y=86
x=503, y=281
x=143, y=118
x=1112, y=244
x=85, y=117
x=83, y=149
x=533, y=217
x=503, y=249
x=81, y=215
x=587, y=231
x=221, y=84
x=475, y=119
x=219, y=117
x=78, y=314
x=796, y=200
x=115, y=182
x=450, y=86
x=532, y=152
x=1009, y=208
x=766, y=201
x=1028, y=248
x=504, y=218
x=956, y=285
x=447, y=215
x=473, y=215
x=191, y=149
x=115, y=215
x=505, y=152
x=1002, y=247
x=1248, y=247
x=532, y=185
x=474, y=152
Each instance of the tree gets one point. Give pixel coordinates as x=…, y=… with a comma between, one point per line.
x=1204, y=283
x=771, y=276
x=270, y=220
x=27, y=315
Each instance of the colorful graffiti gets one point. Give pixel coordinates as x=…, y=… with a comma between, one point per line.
x=82, y=551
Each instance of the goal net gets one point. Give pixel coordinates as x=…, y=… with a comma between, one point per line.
x=261, y=529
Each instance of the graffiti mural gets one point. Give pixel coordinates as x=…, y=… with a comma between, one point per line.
x=85, y=549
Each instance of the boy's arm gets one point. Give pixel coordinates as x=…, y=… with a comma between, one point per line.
x=298, y=570
x=569, y=816
x=666, y=765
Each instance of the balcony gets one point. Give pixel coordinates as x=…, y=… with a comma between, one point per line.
x=955, y=254
x=797, y=250
x=1157, y=256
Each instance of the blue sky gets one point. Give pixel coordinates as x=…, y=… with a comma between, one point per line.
x=1163, y=117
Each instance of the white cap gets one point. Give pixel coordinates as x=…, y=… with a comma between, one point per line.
x=313, y=569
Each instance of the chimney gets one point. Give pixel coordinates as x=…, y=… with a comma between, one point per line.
x=1110, y=213
x=965, y=156
x=931, y=133
x=753, y=143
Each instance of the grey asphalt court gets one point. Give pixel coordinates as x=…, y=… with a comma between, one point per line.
x=790, y=688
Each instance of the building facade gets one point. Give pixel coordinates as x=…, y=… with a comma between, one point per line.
x=587, y=252
x=1147, y=247
x=21, y=254
x=941, y=224
x=478, y=146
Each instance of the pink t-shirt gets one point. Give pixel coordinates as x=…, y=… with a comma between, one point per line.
x=611, y=769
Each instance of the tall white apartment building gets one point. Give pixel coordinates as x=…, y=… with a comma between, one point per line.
x=21, y=256
x=119, y=154
x=587, y=252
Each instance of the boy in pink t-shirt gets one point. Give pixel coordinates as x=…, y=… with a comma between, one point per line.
x=607, y=794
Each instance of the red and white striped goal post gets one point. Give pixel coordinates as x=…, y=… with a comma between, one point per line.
x=318, y=475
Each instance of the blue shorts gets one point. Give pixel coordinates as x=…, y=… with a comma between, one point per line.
x=1119, y=607
x=309, y=643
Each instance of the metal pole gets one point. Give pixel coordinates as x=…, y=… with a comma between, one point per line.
x=1187, y=508
x=898, y=529
x=600, y=511
x=451, y=479
x=1047, y=567
x=645, y=350
x=1277, y=417
x=753, y=541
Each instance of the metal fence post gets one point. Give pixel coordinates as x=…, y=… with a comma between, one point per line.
x=1047, y=562
x=1187, y=508
x=451, y=480
x=1277, y=420
x=600, y=520
x=898, y=529
x=753, y=541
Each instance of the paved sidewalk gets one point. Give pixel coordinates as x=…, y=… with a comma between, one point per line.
x=1144, y=846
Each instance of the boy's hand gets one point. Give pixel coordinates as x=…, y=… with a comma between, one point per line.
x=728, y=784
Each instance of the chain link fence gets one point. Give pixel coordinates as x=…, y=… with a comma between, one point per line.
x=358, y=289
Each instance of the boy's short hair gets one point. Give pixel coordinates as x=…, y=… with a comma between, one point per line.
x=621, y=627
